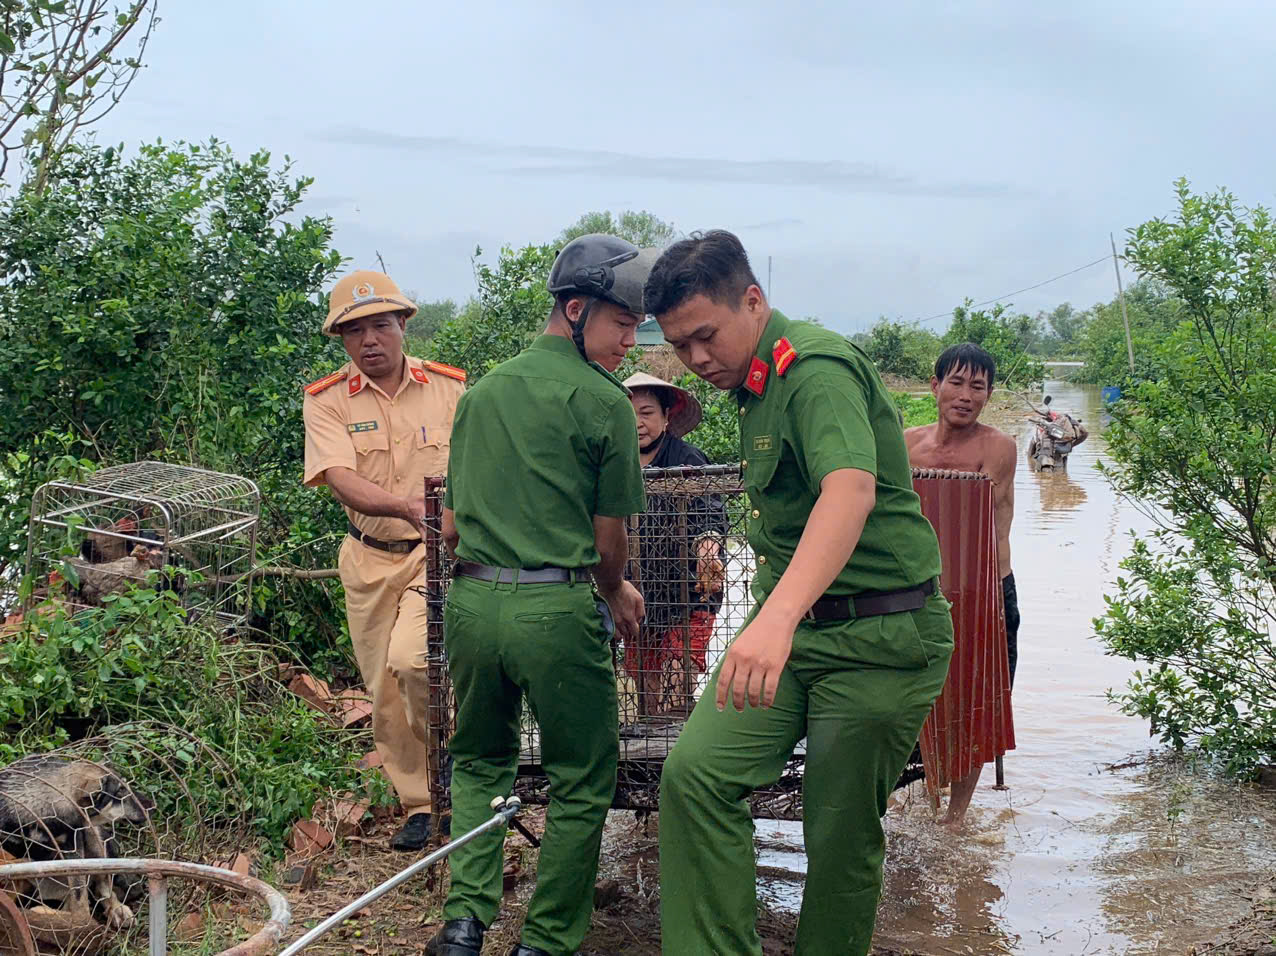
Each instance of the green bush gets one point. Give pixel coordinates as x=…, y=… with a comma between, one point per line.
x=1197, y=602
x=908, y=351
x=1009, y=338
x=138, y=661
x=916, y=409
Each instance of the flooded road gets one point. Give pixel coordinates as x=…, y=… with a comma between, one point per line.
x=1074, y=858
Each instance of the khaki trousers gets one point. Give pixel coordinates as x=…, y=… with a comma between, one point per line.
x=387, y=627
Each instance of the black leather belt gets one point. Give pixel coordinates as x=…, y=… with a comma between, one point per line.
x=402, y=546
x=483, y=572
x=870, y=604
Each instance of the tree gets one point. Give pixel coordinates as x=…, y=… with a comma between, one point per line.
x=169, y=307
x=643, y=229
x=430, y=317
x=64, y=66
x=908, y=351
x=1197, y=602
x=1154, y=314
x=1065, y=326
x=513, y=304
x=1007, y=337
x=511, y=308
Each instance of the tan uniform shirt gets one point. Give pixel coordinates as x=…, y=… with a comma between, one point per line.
x=394, y=441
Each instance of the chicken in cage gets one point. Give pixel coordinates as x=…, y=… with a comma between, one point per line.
x=181, y=528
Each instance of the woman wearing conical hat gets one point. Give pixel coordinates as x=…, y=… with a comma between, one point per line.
x=676, y=631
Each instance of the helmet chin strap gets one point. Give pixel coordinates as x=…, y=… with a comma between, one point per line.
x=578, y=328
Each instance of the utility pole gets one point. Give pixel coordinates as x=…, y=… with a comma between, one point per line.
x=768, y=278
x=1129, y=344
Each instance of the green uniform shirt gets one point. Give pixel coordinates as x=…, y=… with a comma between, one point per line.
x=540, y=445
x=804, y=415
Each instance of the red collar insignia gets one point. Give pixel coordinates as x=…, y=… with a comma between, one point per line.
x=755, y=381
x=356, y=383
x=784, y=354
x=418, y=374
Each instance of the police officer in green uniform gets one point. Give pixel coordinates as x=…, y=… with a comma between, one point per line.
x=848, y=641
x=543, y=473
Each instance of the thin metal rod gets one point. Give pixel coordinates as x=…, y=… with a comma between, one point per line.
x=159, y=915
x=693, y=471
x=505, y=812
x=1001, y=774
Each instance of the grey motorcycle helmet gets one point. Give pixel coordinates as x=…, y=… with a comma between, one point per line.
x=601, y=267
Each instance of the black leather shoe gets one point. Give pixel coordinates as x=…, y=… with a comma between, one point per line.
x=522, y=949
x=458, y=937
x=414, y=835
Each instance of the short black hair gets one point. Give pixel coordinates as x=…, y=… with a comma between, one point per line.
x=969, y=356
x=713, y=264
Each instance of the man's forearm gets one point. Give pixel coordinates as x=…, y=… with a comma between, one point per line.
x=363, y=496
x=830, y=538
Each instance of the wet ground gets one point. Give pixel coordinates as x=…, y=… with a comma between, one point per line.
x=1094, y=848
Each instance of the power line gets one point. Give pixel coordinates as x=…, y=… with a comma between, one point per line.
x=999, y=298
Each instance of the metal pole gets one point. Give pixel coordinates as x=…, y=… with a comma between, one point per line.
x=159, y=915
x=1129, y=344
x=1001, y=775
x=505, y=812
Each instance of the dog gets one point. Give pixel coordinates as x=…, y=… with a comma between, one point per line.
x=55, y=808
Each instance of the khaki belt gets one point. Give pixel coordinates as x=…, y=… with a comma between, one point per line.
x=870, y=604
x=402, y=546
x=483, y=572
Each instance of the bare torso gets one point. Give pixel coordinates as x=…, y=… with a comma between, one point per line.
x=977, y=448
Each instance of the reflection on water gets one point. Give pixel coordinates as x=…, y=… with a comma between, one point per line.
x=1079, y=855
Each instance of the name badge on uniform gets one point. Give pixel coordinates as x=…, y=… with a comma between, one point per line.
x=762, y=443
x=362, y=427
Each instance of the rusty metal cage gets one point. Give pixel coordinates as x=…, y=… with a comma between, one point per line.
x=690, y=559
x=91, y=538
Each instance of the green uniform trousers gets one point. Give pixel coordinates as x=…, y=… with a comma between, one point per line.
x=548, y=642
x=858, y=691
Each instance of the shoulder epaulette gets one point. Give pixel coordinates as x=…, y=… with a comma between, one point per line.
x=784, y=354
x=314, y=388
x=450, y=371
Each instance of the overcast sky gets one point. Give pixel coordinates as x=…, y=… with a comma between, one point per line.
x=892, y=159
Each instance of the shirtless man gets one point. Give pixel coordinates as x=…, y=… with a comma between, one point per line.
x=962, y=383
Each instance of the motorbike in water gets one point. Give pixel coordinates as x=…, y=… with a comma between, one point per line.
x=1053, y=438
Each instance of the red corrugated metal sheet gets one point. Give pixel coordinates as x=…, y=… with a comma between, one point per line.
x=971, y=723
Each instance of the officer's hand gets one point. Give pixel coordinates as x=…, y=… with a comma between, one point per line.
x=414, y=511
x=752, y=666
x=627, y=610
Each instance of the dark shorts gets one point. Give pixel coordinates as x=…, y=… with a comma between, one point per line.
x=1010, y=598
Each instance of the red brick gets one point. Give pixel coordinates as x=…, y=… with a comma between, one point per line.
x=309, y=837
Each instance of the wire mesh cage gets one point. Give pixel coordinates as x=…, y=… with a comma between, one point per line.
x=143, y=791
x=690, y=559
x=93, y=538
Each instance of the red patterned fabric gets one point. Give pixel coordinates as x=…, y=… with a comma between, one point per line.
x=971, y=722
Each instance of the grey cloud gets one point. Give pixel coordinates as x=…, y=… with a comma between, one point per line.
x=552, y=161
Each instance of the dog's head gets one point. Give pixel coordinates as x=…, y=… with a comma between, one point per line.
x=115, y=801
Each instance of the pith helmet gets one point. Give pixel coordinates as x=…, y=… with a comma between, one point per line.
x=364, y=293
x=603, y=266
x=685, y=412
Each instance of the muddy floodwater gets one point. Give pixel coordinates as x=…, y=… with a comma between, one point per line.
x=1093, y=848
